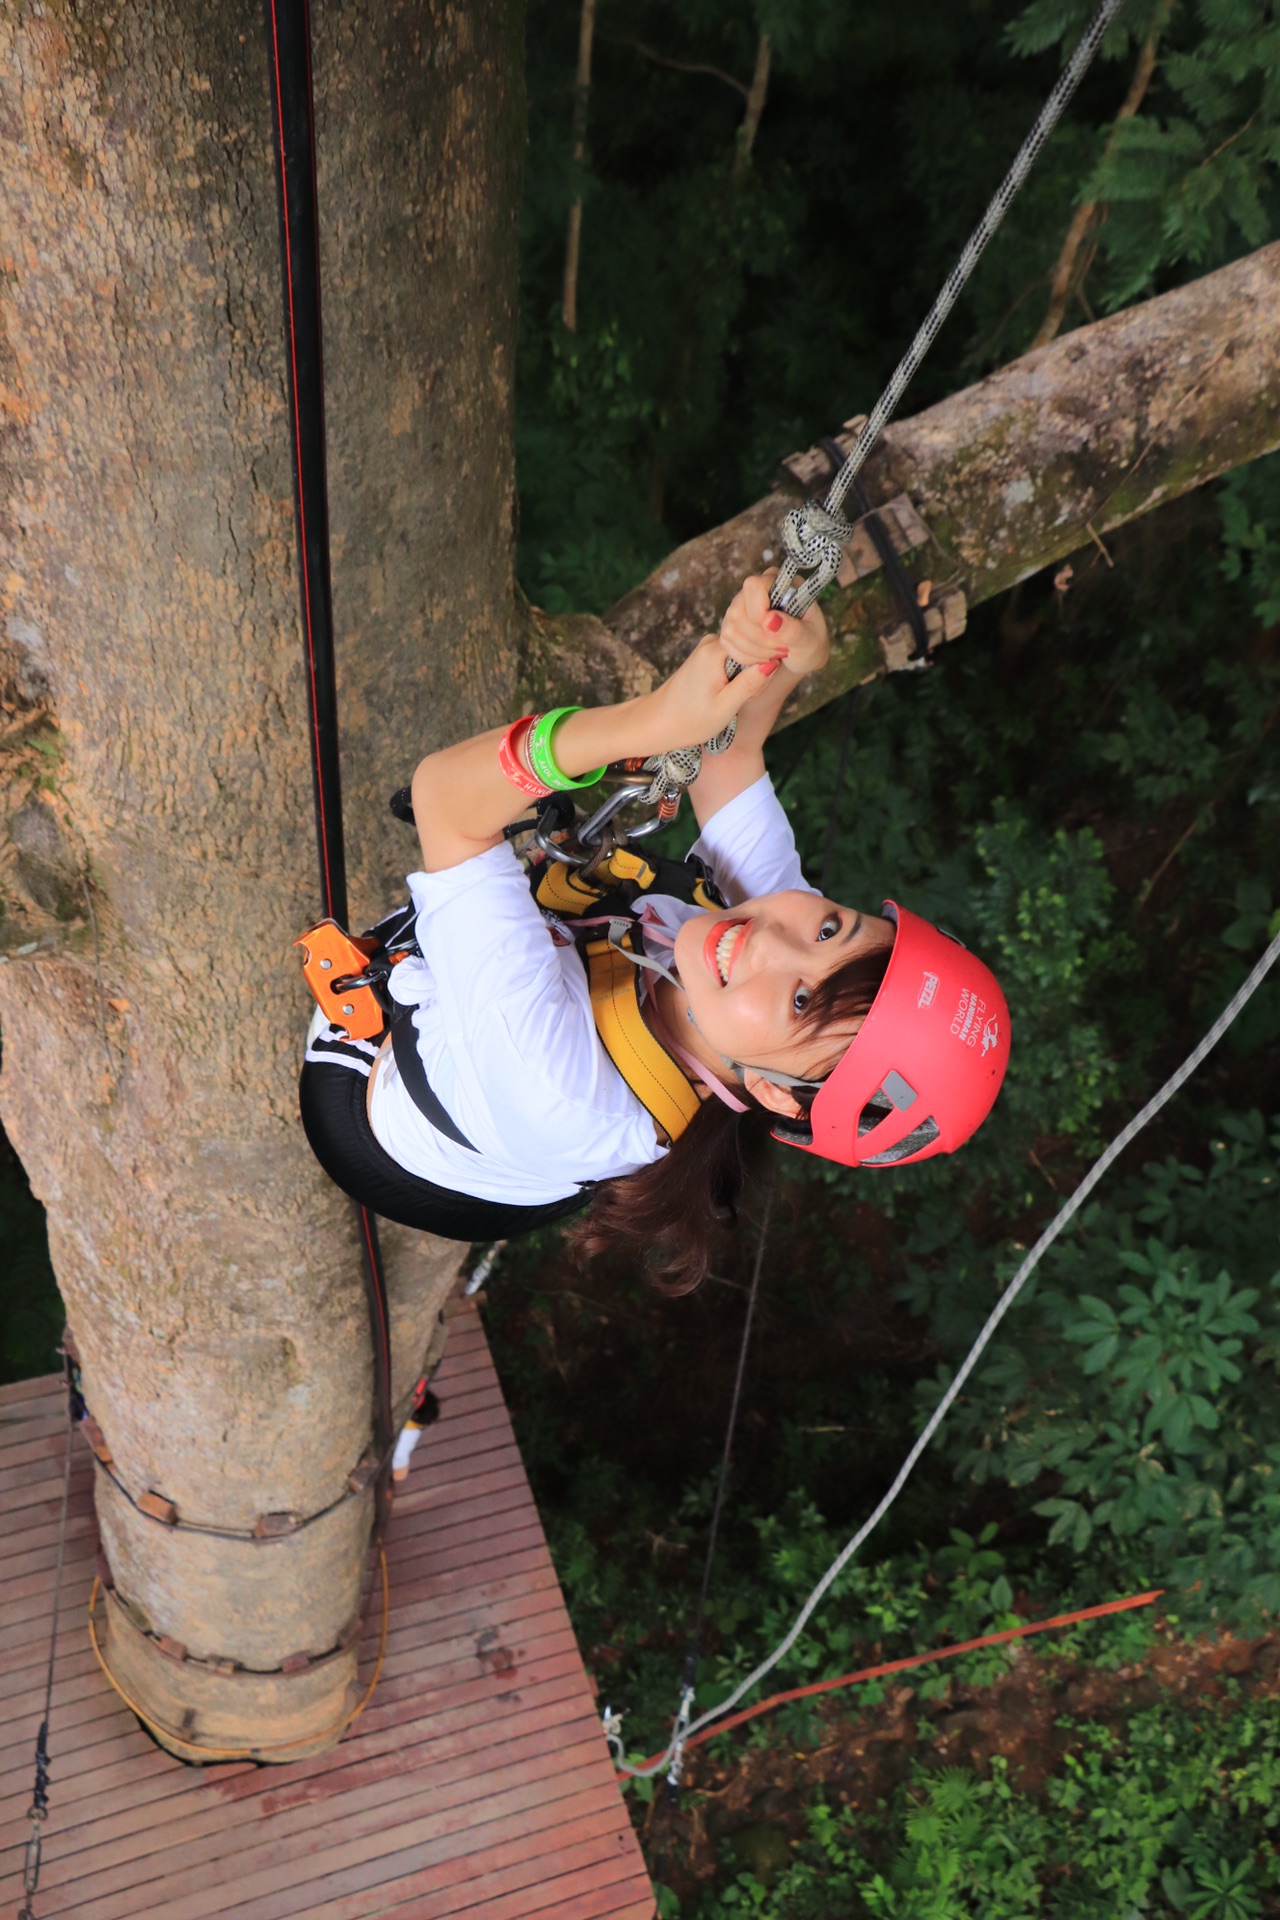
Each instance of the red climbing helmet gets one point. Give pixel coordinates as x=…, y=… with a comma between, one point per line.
x=927, y=1063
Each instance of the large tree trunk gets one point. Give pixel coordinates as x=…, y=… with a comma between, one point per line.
x=1009, y=475
x=155, y=764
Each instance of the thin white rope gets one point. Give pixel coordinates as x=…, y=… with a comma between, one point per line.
x=997, y=1314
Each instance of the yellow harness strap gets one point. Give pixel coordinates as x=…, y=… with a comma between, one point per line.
x=564, y=890
x=647, y=1068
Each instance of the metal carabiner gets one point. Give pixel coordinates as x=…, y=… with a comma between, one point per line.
x=590, y=831
x=554, y=852
x=376, y=976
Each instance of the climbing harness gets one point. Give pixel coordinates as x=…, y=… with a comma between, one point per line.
x=919, y=1078
x=591, y=886
x=289, y=49
x=39, y=1810
x=1062, y=1219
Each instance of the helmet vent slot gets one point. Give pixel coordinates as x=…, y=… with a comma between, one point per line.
x=898, y=1090
x=920, y=1136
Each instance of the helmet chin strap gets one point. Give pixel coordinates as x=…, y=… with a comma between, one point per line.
x=740, y=1069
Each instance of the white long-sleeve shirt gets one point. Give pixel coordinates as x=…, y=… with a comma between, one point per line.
x=505, y=1030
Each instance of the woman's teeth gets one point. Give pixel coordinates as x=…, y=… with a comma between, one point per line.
x=724, y=947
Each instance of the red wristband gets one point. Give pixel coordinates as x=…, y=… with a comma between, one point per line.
x=511, y=759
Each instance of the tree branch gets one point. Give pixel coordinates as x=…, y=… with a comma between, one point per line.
x=1065, y=279
x=581, y=99
x=755, y=104
x=1010, y=475
x=683, y=66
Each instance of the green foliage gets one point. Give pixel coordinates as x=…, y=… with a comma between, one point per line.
x=1141, y=1382
x=1192, y=179
x=729, y=313
x=1177, y=1816
x=585, y=540
x=1250, y=500
x=1047, y=913
x=31, y=1316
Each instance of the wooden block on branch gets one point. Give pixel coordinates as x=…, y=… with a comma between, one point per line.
x=812, y=469
x=905, y=529
x=273, y=1526
x=97, y=1439
x=157, y=1507
x=944, y=621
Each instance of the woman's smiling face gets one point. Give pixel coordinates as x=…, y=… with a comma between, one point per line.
x=746, y=975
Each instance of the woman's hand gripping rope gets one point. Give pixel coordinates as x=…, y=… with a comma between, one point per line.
x=701, y=693
x=753, y=630
x=699, y=699
x=731, y=677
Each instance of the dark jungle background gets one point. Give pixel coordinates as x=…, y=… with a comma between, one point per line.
x=1087, y=789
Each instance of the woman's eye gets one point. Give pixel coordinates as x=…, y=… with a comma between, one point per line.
x=800, y=999
x=829, y=928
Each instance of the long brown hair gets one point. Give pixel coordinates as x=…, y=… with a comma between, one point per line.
x=670, y=1213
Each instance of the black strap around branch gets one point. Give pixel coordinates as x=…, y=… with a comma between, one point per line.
x=882, y=541
x=289, y=54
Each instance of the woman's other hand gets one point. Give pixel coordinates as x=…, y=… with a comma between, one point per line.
x=753, y=631
x=698, y=701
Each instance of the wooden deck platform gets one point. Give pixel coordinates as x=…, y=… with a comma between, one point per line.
x=476, y=1783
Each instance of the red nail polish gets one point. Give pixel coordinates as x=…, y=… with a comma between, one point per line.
x=774, y=623
x=770, y=666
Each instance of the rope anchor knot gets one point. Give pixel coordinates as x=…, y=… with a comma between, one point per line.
x=814, y=538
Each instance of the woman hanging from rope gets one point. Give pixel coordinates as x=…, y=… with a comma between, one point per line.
x=495, y=1104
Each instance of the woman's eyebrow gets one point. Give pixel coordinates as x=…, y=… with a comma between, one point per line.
x=854, y=926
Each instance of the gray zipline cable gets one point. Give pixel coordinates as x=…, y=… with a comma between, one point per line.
x=997, y=1314
x=886, y=406
x=1050, y=114
x=814, y=536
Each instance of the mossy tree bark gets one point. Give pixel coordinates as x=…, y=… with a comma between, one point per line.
x=156, y=777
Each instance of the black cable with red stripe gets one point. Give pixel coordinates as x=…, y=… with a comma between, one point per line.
x=289, y=54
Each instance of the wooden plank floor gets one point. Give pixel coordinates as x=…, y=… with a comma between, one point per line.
x=476, y=1783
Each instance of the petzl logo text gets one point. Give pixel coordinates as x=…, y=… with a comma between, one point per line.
x=928, y=987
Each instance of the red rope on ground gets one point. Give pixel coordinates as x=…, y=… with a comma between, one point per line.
x=917, y=1660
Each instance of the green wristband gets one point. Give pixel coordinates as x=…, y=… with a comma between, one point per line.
x=542, y=760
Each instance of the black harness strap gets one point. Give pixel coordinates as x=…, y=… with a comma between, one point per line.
x=404, y=1045
x=882, y=541
x=289, y=52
